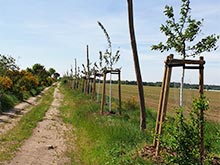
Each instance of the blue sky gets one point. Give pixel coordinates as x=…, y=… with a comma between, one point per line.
x=54, y=32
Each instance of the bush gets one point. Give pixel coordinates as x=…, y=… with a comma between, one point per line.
x=182, y=138
x=181, y=141
x=7, y=102
x=131, y=104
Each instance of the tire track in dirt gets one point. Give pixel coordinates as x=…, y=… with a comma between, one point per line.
x=10, y=119
x=47, y=144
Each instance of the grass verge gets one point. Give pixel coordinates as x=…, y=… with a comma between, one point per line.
x=12, y=140
x=114, y=139
x=107, y=139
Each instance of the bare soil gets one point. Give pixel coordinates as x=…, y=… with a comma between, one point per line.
x=10, y=118
x=47, y=145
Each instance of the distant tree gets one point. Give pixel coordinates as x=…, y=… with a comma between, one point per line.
x=181, y=36
x=42, y=74
x=137, y=67
x=7, y=63
x=51, y=71
x=56, y=75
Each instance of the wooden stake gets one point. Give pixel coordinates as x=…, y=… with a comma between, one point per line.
x=83, y=85
x=119, y=90
x=88, y=70
x=164, y=103
x=103, y=93
x=201, y=129
x=160, y=105
x=94, y=87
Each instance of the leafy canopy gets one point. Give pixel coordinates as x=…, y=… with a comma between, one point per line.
x=181, y=34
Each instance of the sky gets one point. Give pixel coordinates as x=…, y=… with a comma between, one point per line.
x=54, y=33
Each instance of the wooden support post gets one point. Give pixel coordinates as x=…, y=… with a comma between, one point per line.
x=162, y=107
x=119, y=90
x=159, y=106
x=75, y=80
x=94, y=87
x=88, y=71
x=103, y=93
x=201, y=129
x=83, y=85
x=163, y=104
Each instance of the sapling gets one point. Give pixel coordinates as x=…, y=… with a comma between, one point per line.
x=110, y=60
x=182, y=34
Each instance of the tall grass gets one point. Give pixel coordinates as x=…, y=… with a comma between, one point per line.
x=107, y=139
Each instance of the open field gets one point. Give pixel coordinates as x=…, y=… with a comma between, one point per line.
x=152, y=95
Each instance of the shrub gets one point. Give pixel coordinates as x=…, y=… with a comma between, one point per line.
x=7, y=102
x=182, y=138
x=5, y=83
x=131, y=104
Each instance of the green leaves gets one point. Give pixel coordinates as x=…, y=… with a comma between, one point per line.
x=110, y=60
x=7, y=63
x=169, y=11
x=181, y=34
x=106, y=34
x=182, y=137
x=206, y=44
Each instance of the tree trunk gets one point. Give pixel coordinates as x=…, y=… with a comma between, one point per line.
x=137, y=67
x=110, y=92
x=88, y=71
x=98, y=92
x=181, y=87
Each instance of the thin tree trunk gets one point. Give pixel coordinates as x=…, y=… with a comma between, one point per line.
x=110, y=93
x=88, y=71
x=137, y=67
x=75, y=82
x=181, y=87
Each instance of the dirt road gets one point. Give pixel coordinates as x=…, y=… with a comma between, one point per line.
x=10, y=118
x=47, y=144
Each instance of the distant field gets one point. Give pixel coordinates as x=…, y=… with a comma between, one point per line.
x=152, y=95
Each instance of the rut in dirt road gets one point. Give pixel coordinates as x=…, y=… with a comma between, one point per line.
x=47, y=144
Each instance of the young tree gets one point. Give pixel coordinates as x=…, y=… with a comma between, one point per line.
x=181, y=36
x=137, y=67
x=110, y=59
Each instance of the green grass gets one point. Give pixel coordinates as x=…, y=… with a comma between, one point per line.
x=12, y=140
x=107, y=139
x=212, y=138
x=114, y=139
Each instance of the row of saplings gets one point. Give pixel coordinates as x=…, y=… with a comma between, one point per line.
x=181, y=142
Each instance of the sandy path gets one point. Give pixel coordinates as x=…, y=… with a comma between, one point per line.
x=47, y=144
x=9, y=119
